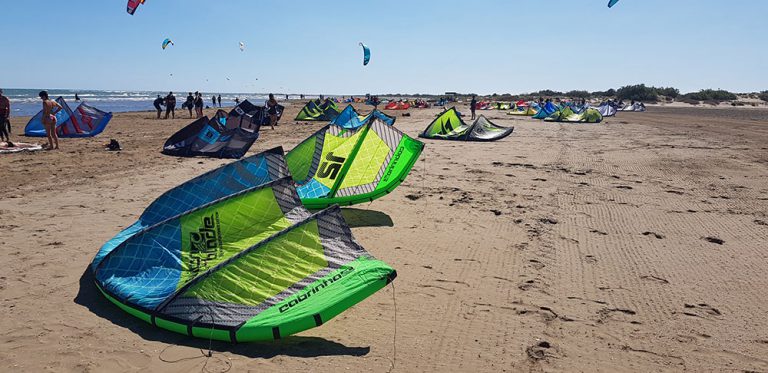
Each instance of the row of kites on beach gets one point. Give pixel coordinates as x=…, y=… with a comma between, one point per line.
x=258, y=249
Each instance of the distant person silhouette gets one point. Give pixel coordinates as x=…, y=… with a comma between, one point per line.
x=5, y=115
x=473, y=106
x=159, y=101
x=272, y=110
x=170, y=105
x=213, y=101
x=189, y=103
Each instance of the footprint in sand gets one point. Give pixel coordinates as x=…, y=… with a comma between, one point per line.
x=656, y=279
x=654, y=234
x=702, y=310
x=679, y=193
x=714, y=240
x=541, y=351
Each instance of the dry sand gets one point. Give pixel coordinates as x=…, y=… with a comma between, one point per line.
x=640, y=244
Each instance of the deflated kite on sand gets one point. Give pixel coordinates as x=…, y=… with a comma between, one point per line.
x=232, y=255
x=449, y=126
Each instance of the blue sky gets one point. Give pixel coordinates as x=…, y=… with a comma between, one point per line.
x=420, y=46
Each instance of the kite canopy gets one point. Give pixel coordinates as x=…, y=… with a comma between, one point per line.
x=366, y=54
x=567, y=115
x=133, y=5
x=634, y=107
x=449, y=126
x=398, y=105
x=84, y=121
x=319, y=111
x=226, y=135
x=242, y=47
x=546, y=110
x=611, y=3
x=232, y=255
x=607, y=110
x=527, y=111
x=167, y=42
x=349, y=118
x=345, y=167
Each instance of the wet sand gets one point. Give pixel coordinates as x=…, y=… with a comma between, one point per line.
x=640, y=244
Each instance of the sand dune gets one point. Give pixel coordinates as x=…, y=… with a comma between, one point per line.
x=639, y=244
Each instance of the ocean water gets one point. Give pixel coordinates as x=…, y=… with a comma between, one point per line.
x=25, y=102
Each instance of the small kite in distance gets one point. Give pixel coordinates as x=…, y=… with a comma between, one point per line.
x=242, y=47
x=611, y=3
x=167, y=42
x=366, y=54
x=133, y=5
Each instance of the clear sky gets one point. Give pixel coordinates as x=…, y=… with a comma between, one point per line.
x=417, y=46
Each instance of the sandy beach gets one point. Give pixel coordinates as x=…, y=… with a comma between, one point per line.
x=639, y=244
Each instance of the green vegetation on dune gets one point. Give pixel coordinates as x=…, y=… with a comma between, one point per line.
x=711, y=95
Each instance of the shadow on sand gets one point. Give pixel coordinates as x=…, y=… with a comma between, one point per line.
x=90, y=297
x=359, y=218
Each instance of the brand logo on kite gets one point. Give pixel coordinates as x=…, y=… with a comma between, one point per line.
x=331, y=167
x=392, y=164
x=205, y=244
x=306, y=294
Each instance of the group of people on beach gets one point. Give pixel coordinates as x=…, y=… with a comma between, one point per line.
x=193, y=101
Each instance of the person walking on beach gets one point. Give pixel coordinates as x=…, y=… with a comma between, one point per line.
x=50, y=108
x=272, y=110
x=77, y=98
x=219, y=98
x=159, y=102
x=199, y=104
x=5, y=115
x=213, y=101
x=189, y=104
x=473, y=106
x=170, y=105
x=237, y=100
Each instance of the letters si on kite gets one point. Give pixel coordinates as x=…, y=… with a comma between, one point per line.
x=133, y=5
x=167, y=42
x=232, y=255
x=366, y=54
x=350, y=166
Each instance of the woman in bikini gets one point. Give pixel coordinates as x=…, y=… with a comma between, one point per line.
x=50, y=108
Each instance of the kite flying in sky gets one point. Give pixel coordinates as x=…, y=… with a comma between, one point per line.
x=366, y=54
x=133, y=5
x=167, y=42
x=611, y=3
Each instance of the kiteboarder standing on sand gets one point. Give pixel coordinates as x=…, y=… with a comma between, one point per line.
x=219, y=98
x=189, y=104
x=50, y=108
x=158, y=103
x=170, y=105
x=5, y=113
x=272, y=110
x=473, y=106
